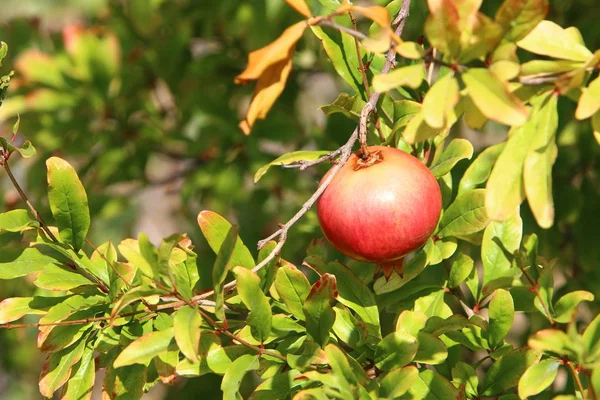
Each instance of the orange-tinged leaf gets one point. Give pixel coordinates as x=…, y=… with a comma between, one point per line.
x=442, y=26
x=377, y=14
x=589, y=102
x=300, y=6
x=268, y=88
x=274, y=53
x=550, y=39
x=440, y=100
x=493, y=98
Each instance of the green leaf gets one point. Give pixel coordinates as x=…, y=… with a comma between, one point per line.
x=550, y=39
x=464, y=374
x=350, y=106
x=267, y=273
x=293, y=288
x=591, y=339
x=507, y=370
x=289, y=158
x=589, y=102
x=145, y=348
x=222, y=265
x=318, y=313
x=68, y=202
x=566, y=306
x=3, y=51
x=260, y=317
x=458, y=149
x=502, y=315
x=538, y=377
x=499, y=238
x=518, y=17
x=16, y=307
x=57, y=368
x=340, y=366
x=460, y=270
x=537, y=170
x=505, y=189
x=433, y=304
x=277, y=387
x=186, y=325
x=466, y=215
x=130, y=249
x=430, y=385
x=235, y=373
x=53, y=277
x=431, y=349
x=215, y=229
x=124, y=383
x=395, y=351
x=440, y=101
x=341, y=50
x=16, y=221
x=417, y=130
x=185, y=274
x=347, y=328
x=480, y=169
x=410, y=76
x=63, y=336
x=492, y=97
x=15, y=263
x=80, y=384
x=397, y=382
x=411, y=322
x=135, y=294
x=352, y=292
x=412, y=268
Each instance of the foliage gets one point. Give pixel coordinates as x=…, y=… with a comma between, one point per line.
x=321, y=326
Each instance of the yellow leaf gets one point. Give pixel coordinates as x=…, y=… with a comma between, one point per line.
x=550, y=39
x=378, y=43
x=274, y=53
x=377, y=14
x=589, y=102
x=410, y=76
x=268, y=88
x=300, y=6
x=411, y=50
x=505, y=70
x=596, y=126
x=493, y=98
x=440, y=101
x=417, y=130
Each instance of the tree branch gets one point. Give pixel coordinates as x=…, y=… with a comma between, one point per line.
x=330, y=23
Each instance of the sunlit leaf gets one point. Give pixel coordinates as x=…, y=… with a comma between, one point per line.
x=538, y=377
x=397, y=382
x=260, y=316
x=68, y=202
x=235, y=373
x=499, y=238
x=293, y=287
x=186, y=326
x=57, y=368
x=519, y=17
x=432, y=385
x=300, y=6
x=493, y=98
x=81, y=382
x=501, y=314
x=566, y=306
x=589, y=102
x=410, y=76
x=289, y=158
x=550, y=39
x=221, y=268
x=458, y=149
x=507, y=370
x=466, y=215
x=144, y=349
x=395, y=351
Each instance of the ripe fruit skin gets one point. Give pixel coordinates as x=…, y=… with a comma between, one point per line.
x=381, y=212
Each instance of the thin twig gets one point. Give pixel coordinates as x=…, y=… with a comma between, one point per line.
x=330, y=23
x=575, y=376
x=32, y=209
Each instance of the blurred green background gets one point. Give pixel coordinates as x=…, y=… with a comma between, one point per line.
x=139, y=96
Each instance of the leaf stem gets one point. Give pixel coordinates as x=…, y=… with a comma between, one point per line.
x=575, y=376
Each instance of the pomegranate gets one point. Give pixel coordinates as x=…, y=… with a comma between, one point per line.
x=381, y=208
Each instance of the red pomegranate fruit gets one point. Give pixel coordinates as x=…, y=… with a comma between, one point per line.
x=380, y=209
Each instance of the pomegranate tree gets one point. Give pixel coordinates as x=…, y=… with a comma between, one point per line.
x=380, y=208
